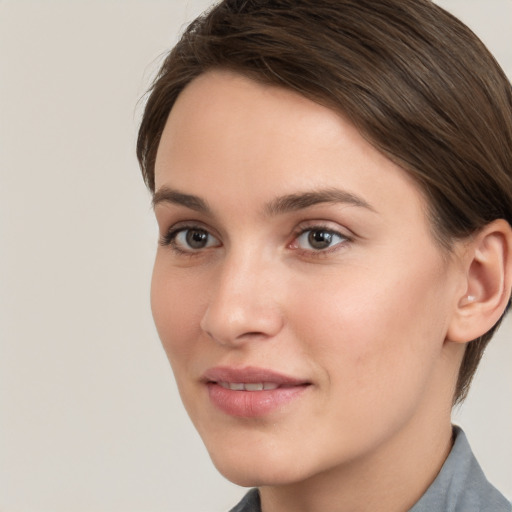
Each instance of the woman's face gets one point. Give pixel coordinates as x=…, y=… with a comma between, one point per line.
x=297, y=288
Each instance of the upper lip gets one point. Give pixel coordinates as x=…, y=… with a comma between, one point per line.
x=250, y=374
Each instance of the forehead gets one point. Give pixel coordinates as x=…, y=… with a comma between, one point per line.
x=231, y=139
x=225, y=111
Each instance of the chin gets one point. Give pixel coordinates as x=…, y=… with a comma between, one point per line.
x=259, y=465
x=263, y=473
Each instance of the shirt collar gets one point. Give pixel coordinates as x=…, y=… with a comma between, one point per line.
x=461, y=485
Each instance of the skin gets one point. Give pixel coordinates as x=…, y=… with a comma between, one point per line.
x=364, y=321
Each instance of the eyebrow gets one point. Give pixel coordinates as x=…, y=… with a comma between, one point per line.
x=169, y=195
x=279, y=205
x=299, y=201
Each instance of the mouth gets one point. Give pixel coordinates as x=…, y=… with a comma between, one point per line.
x=251, y=392
x=250, y=386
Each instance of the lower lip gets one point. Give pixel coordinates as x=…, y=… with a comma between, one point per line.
x=250, y=404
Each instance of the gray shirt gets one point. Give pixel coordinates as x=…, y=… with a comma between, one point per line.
x=460, y=486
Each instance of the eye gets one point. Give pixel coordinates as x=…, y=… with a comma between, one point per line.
x=190, y=239
x=319, y=239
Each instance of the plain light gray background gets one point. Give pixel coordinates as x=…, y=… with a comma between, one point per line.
x=89, y=416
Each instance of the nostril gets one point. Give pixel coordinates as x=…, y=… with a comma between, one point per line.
x=253, y=334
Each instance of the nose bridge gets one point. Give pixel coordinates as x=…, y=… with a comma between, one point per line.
x=243, y=304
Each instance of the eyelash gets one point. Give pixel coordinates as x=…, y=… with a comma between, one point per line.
x=319, y=228
x=169, y=240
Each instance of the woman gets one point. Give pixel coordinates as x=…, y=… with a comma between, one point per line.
x=332, y=184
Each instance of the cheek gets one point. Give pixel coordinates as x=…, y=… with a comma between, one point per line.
x=177, y=311
x=374, y=331
x=377, y=349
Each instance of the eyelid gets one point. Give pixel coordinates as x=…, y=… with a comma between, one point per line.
x=304, y=227
x=327, y=225
x=168, y=238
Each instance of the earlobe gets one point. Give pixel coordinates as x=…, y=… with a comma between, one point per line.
x=488, y=267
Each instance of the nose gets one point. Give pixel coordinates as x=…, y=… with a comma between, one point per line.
x=243, y=305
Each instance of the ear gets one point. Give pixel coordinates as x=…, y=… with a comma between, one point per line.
x=488, y=281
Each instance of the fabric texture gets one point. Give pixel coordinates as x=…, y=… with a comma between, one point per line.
x=250, y=503
x=460, y=486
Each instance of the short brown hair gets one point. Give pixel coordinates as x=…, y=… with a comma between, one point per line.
x=415, y=81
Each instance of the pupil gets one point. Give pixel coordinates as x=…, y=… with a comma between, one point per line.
x=197, y=239
x=320, y=239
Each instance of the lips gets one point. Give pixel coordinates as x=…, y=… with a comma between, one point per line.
x=250, y=392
